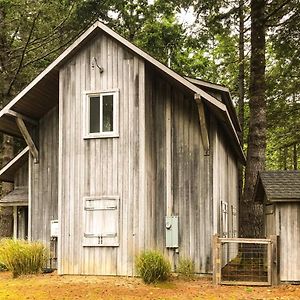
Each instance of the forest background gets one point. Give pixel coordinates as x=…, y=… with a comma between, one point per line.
x=250, y=46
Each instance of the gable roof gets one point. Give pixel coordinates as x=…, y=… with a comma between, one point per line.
x=226, y=97
x=42, y=93
x=278, y=186
x=7, y=173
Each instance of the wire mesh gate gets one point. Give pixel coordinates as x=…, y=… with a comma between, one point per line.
x=239, y=261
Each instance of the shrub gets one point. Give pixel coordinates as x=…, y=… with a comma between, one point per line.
x=186, y=268
x=152, y=266
x=22, y=257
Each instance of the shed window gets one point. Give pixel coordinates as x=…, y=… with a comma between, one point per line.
x=101, y=218
x=102, y=114
x=224, y=219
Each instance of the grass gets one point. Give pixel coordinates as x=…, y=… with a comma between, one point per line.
x=152, y=266
x=22, y=257
x=186, y=268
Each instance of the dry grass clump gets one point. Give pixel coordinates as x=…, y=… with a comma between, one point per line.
x=152, y=266
x=23, y=257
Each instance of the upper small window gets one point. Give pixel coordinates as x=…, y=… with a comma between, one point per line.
x=102, y=114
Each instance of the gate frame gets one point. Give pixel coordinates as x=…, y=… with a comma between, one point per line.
x=273, y=259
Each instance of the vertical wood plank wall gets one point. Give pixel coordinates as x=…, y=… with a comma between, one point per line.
x=21, y=176
x=102, y=166
x=199, y=183
x=133, y=165
x=289, y=232
x=44, y=179
x=190, y=171
x=224, y=181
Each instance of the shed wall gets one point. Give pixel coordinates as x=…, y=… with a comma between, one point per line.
x=102, y=166
x=43, y=199
x=198, y=183
x=289, y=232
x=21, y=176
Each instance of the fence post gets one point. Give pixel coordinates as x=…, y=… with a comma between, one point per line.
x=216, y=260
x=275, y=263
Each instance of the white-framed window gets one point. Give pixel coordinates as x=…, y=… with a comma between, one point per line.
x=234, y=224
x=224, y=219
x=101, y=114
x=101, y=221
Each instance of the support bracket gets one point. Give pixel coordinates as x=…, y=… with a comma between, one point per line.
x=28, y=139
x=203, y=126
x=21, y=116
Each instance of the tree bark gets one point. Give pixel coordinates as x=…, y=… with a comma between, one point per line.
x=6, y=213
x=241, y=106
x=252, y=213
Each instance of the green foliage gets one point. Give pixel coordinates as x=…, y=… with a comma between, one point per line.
x=152, y=266
x=186, y=268
x=22, y=257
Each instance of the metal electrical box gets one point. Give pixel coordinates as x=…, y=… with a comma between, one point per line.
x=172, y=232
x=54, y=228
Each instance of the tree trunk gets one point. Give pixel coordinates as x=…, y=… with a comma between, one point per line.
x=6, y=213
x=252, y=213
x=241, y=106
x=295, y=157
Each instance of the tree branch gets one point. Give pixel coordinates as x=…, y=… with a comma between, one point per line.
x=23, y=54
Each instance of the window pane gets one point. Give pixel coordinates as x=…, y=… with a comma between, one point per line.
x=107, y=124
x=94, y=114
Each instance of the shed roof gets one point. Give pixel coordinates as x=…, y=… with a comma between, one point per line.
x=278, y=186
x=42, y=93
x=17, y=197
x=7, y=173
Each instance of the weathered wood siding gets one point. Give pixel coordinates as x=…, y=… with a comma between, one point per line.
x=287, y=225
x=155, y=167
x=225, y=186
x=225, y=176
x=190, y=171
x=21, y=176
x=43, y=198
x=101, y=166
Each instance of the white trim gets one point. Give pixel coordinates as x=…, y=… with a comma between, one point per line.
x=14, y=160
x=86, y=118
x=15, y=220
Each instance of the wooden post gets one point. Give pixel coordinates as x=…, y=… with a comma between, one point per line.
x=216, y=260
x=203, y=127
x=28, y=139
x=15, y=215
x=275, y=263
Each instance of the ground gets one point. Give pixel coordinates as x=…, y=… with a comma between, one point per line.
x=52, y=286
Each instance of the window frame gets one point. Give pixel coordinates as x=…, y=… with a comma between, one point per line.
x=86, y=100
x=224, y=219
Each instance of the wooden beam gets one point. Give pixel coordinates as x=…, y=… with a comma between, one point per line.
x=28, y=139
x=21, y=116
x=203, y=126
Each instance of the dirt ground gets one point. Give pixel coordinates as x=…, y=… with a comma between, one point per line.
x=52, y=286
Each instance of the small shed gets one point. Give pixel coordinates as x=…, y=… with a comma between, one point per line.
x=279, y=191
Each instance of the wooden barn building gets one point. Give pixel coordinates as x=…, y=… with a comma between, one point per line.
x=123, y=155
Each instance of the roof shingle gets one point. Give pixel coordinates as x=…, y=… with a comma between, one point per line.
x=281, y=185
